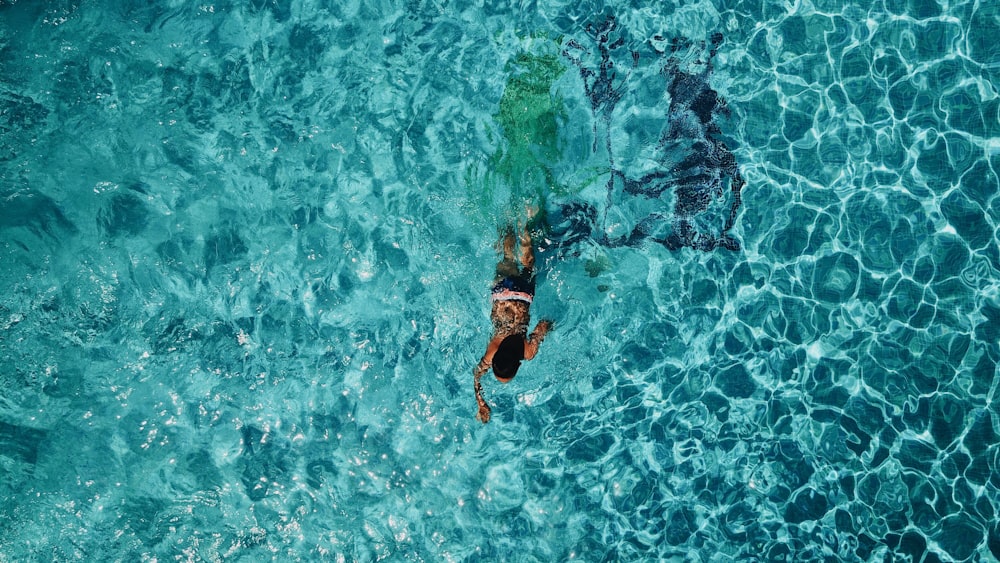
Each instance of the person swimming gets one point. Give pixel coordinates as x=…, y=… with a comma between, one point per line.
x=512, y=294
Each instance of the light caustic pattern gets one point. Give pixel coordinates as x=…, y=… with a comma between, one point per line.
x=246, y=249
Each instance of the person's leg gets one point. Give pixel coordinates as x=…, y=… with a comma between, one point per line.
x=527, y=254
x=508, y=265
x=508, y=244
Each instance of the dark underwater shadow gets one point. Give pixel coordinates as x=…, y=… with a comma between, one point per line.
x=696, y=178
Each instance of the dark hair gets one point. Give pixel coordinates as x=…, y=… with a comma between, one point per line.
x=508, y=357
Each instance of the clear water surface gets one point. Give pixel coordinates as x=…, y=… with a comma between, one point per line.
x=245, y=249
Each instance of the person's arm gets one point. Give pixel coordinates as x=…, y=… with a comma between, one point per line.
x=531, y=346
x=483, y=413
x=487, y=360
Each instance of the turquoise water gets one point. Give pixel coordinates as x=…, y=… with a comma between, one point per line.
x=246, y=252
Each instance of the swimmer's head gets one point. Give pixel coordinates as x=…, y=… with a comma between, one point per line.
x=507, y=358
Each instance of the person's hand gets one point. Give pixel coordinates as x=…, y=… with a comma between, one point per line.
x=545, y=325
x=484, y=413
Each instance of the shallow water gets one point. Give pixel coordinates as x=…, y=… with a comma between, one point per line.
x=247, y=249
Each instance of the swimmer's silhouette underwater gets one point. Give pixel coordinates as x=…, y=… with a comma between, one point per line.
x=693, y=165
